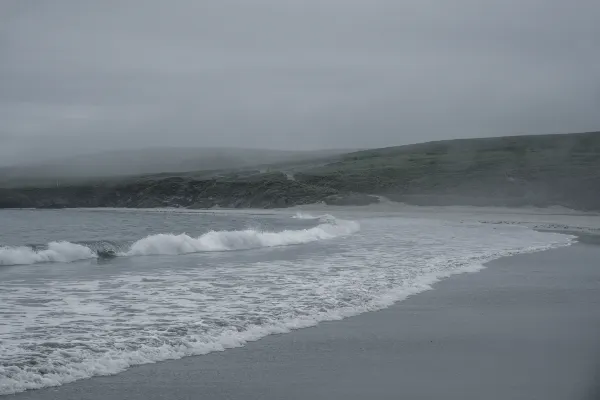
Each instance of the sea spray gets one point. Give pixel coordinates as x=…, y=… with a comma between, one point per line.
x=173, y=244
x=55, y=252
x=237, y=240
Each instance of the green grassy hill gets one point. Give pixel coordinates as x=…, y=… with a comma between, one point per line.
x=539, y=170
x=517, y=170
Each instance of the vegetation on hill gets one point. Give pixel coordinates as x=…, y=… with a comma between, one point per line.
x=520, y=170
x=541, y=170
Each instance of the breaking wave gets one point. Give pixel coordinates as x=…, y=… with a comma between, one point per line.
x=301, y=215
x=321, y=218
x=171, y=244
x=55, y=252
x=75, y=326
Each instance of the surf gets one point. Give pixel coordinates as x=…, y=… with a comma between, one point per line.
x=176, y=244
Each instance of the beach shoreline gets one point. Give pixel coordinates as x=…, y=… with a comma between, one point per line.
x=524, y=327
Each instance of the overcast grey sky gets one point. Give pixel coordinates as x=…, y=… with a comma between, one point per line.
x=79, y=76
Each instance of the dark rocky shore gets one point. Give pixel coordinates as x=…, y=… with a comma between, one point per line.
x=540, y=170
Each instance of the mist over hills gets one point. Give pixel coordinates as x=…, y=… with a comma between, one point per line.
x=536, y=170
x=130, y=163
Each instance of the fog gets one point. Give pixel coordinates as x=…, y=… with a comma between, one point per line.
x=82, y=76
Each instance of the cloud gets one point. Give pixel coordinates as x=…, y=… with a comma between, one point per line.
x=80, y=75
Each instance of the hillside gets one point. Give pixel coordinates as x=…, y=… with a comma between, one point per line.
x=540, y=170
x=520, y=170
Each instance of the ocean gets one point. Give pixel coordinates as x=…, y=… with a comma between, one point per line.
x=85, y=293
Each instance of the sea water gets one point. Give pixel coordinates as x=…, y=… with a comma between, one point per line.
x=94, y=292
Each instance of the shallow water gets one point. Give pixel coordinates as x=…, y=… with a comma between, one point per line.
x=178, y=283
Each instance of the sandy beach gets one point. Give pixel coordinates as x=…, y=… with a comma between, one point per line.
x=526, y=327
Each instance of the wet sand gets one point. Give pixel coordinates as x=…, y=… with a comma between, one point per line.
x=526, y=327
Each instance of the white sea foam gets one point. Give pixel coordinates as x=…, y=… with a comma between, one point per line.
x=171, y=244
x=302, y=215
x=56, y=252
x=239, y=240
x=325, y=218
x=100, y=325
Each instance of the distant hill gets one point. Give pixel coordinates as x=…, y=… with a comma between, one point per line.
x=130, y=163
x=561, y=169
x=540, y=170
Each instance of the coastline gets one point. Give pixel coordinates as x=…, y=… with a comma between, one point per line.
x=529, y=322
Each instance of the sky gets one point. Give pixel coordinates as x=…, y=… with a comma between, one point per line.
x=80, y=76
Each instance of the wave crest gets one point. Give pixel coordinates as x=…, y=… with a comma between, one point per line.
x=171, y=244
x=325, y=218
x=56, y=252
x=238, y=240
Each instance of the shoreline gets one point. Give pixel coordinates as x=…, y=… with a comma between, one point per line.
x=235, y=361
